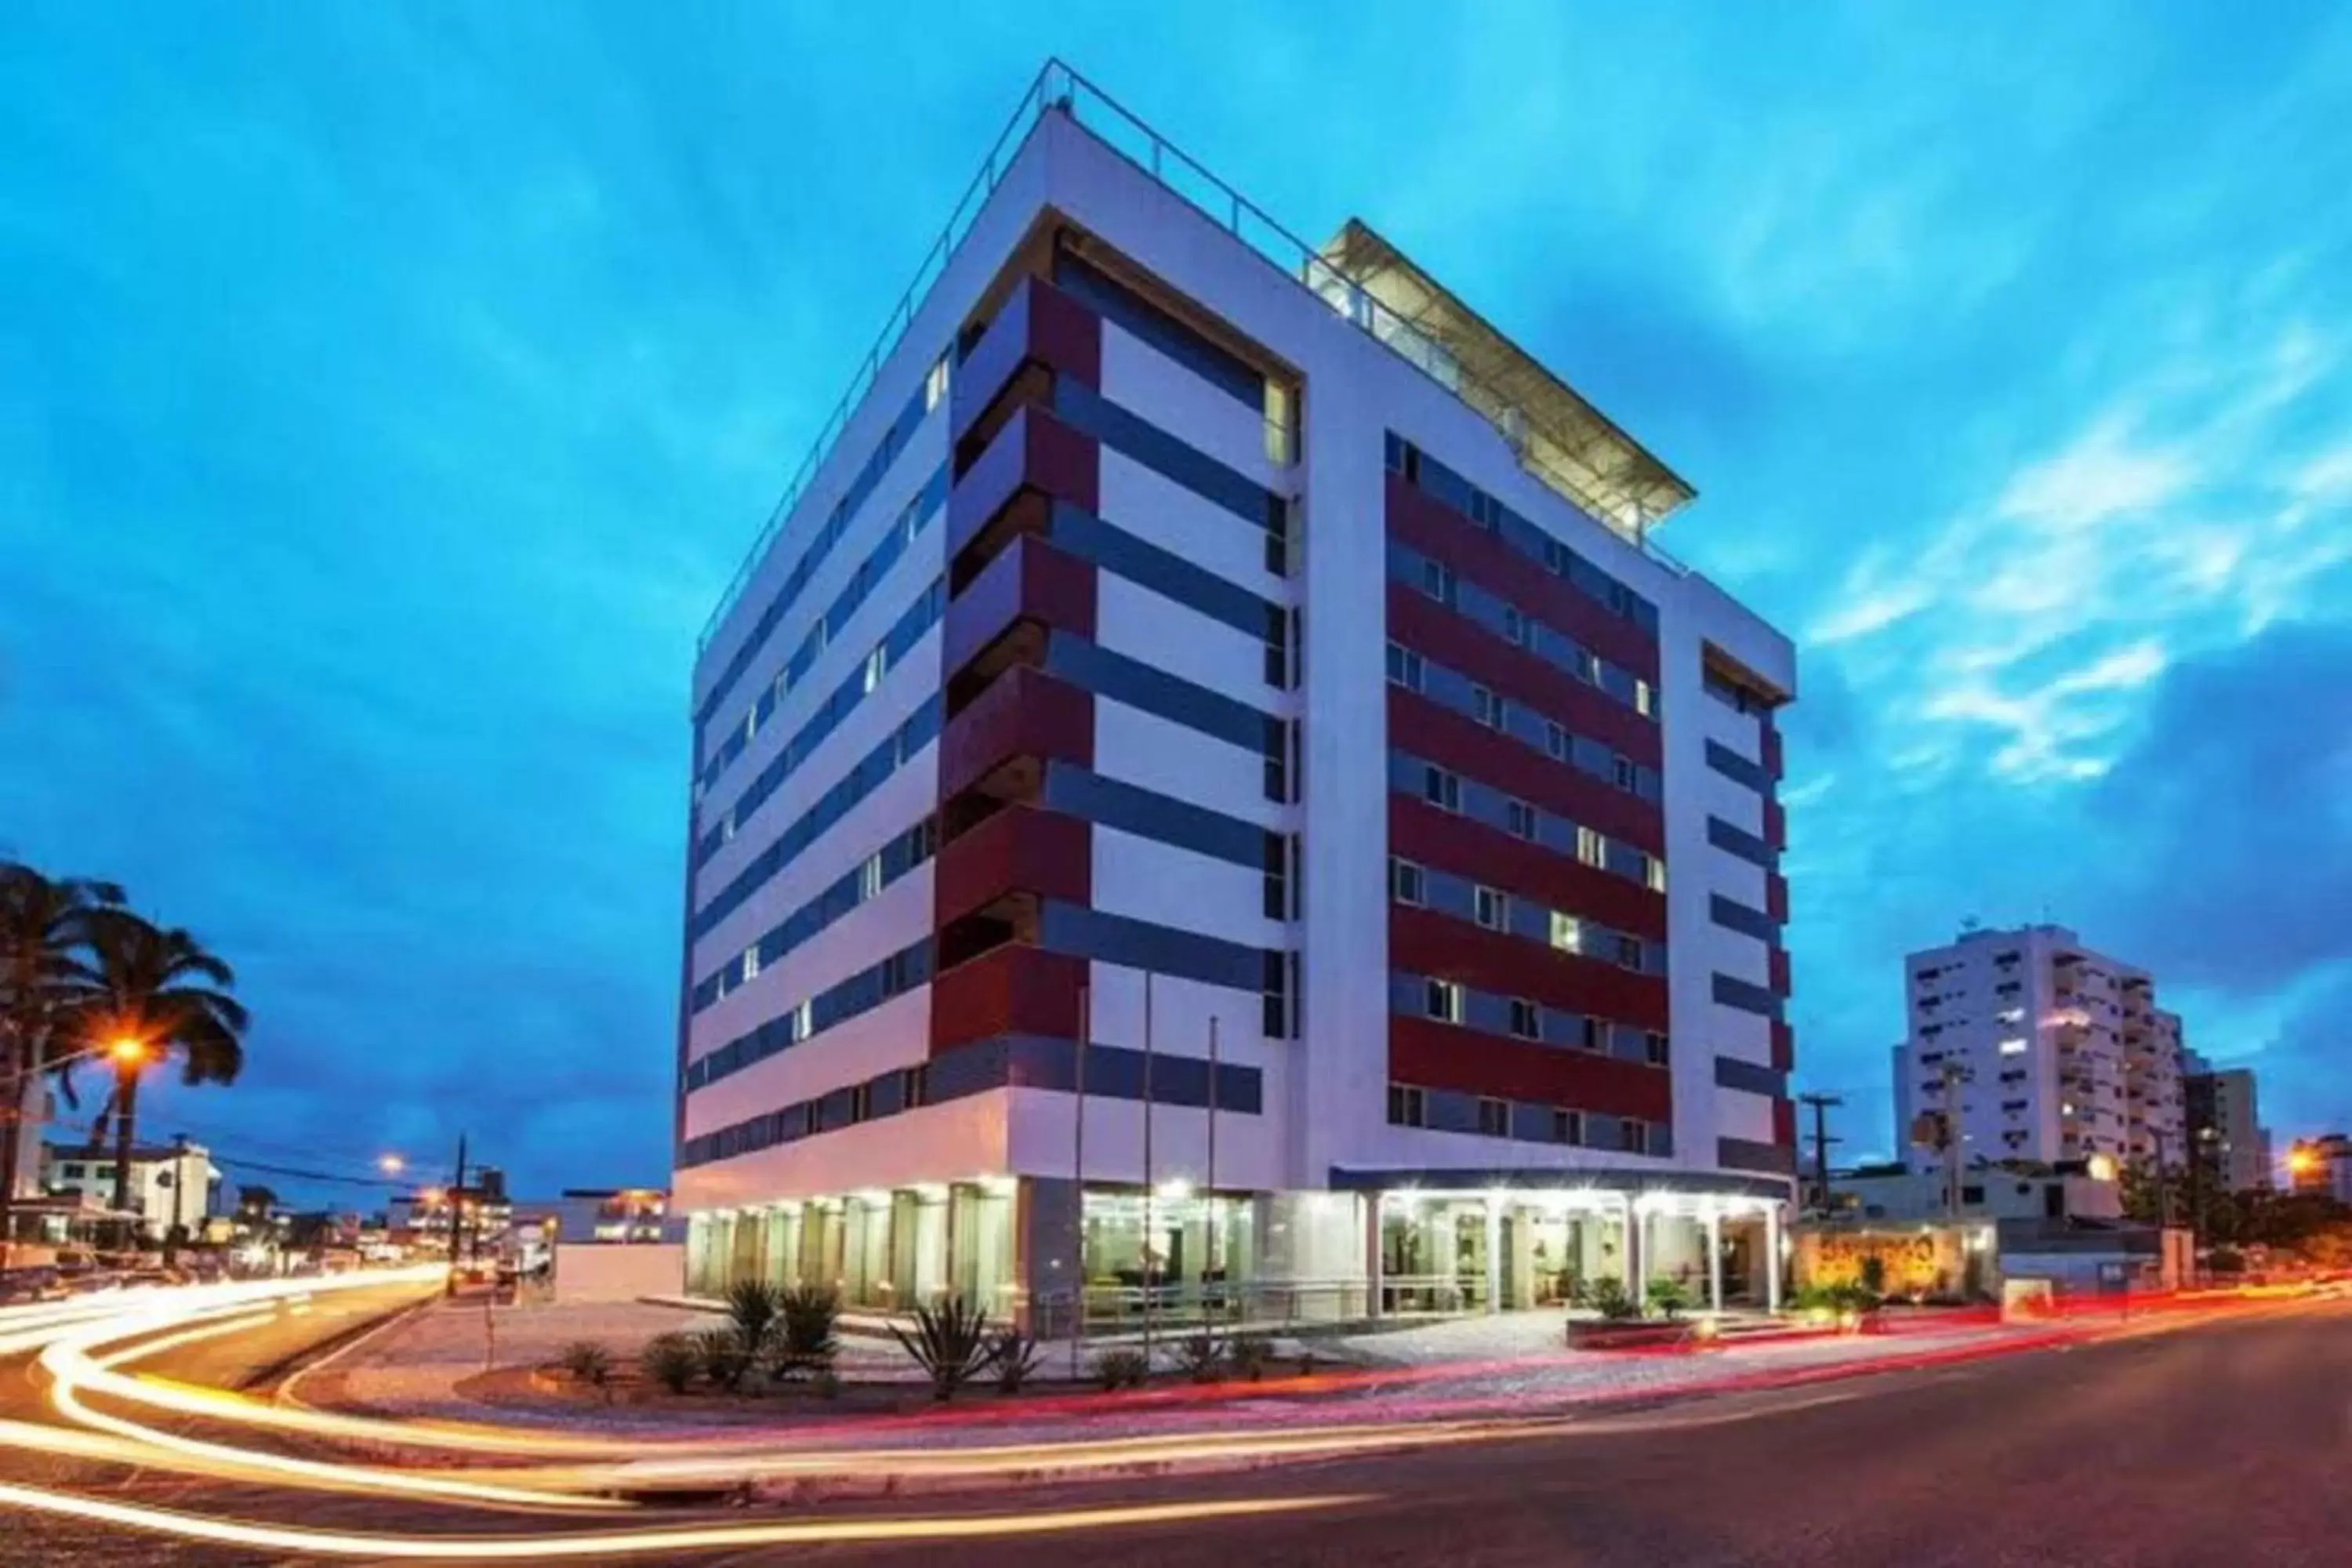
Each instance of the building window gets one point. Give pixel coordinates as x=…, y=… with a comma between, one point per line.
x=1495, y=1118
x=1590, y=848
x=1622, y=771
x=1628, y=950
x=861, y=1103
x=1441, y=788
x=1645, y=700
x=803, y=1018
x=1653, y=873
x=1566, y=933
x=1594, y=1035
x=935, y=385
x=1437, y=581
x=1635, y=1136
x=1493, y=908
x=877, y=665
x=1404, y=667
x=1521, y=817
x=752, y=964
x=1654, y=1049
x=1514, y=626
x=2014, y=1047
x=870, y=878
x=1567, y=1126
x=1556, y=741
x=1486, y=708
x=915, y=1086
x=1526, y=1019
x=1407, y=1107
x=1406, y=883
x=1588, y=668
x=1442, y=1000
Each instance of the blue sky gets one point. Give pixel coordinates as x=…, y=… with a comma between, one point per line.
x=386, y=392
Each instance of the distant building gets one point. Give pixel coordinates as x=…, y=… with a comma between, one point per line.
x=1896, y=1193
x=2323, y=1165
x=2039, y=1049
x=607, y=1215
x=2224, y=1128
x=171, y=1183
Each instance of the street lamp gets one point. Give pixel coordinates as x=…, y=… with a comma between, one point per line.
x=391, y=1164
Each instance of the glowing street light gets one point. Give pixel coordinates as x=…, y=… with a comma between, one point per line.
x=126, y=1051
x=391, y=1164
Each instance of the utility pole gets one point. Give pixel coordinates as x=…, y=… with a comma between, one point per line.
x=456, y=1212
x=1953, y=1075
x=1821, y=1104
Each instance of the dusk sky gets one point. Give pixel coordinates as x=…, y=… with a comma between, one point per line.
x=387, y=391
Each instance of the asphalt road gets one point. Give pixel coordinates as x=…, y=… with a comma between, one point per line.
x=2220, y=1445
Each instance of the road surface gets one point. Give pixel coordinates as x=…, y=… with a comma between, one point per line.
x=2223, y=1444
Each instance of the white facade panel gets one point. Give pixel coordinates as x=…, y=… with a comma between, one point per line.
x=894, y=1035
x=1159, y=511
x=954, y=1141
x=1180, y=762
x=1147, y=880
x=1139, y=377
x=1174, y=637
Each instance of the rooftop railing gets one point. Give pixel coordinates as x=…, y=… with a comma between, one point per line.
x=1057, y=88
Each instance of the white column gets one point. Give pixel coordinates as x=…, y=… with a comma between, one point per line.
x=1494, y=1253
x=1773, y=1258
x=1631, y=1231
x=1371, y=1255
x=1714, y=1260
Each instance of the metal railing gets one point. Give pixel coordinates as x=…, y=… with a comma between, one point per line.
x=1059, y=87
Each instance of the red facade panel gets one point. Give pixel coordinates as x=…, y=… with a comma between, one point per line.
x=1421, y=832
x=1440, y=1055
x=1437, y=531
x=1038, y=324
x=1421, y=623
x=1034, y=451
x=1019, y=849
x=1780, y=962
x=1784, y=1047
x=1014, y=989
x=1438, y=734
x=1025, y=713
x=1775, y=896
x=1775, y=824
x=1426, y=943
x=1772, y=747
x=1030, y=580
x=1784, y=1122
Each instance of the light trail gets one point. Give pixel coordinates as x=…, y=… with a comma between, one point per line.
x=666, y=1541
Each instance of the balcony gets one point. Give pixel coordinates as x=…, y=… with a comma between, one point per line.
x=1038, y=326
x=1034, y=451
x=1020, y=849
x=1015, y=989
x=1025, y=714
x=1029, y=581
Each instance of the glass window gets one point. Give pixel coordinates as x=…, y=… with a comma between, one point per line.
x=1442, y=788
x=1514, y=626
x=1621, y=770
x=877, y=665
x=1486, y=708
x=1567, y=1127
x=1405, y=882
x=1495, y=1118
x=1437, y=581
x=1645, y=701
x=1590, y=848
x=1654, y=1049
x=1556, y=741
x=1594, y=1035
x=751, y=962
x=1442, y=1000
x=935, y=385
x=1653, y=873
x=1404, y=667
x=1566, y=933
x=1407, y=1107
x=1588, y=668
x=1493, y=908
x=1629, y=949
x=1526, y=1019
x=1636, y=1136
x=1522, y=818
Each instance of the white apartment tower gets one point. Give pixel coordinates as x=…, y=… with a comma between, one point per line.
x=2052, y=1051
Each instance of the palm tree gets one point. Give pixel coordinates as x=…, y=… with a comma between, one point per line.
x=43, y=929
x=153, y=990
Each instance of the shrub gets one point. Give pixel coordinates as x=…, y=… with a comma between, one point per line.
x=1669, y=1298
x=723, y=1356
x=588, y=1361
x=808, y=1343
x=753, y=1306
x=1202, y=1354
x=1014, y=1355
x=1122, y=1369
x=1249, y=1353
x=670, y=1360
x=952, y=1344
x=1609, y=1297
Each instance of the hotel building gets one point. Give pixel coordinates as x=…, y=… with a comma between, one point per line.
x=2039, y=1049
x=1238, y=656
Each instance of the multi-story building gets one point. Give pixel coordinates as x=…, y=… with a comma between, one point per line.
x=2225, y=1125
x=1239, y=658
x=171, y=1183
x=2322, y=1166
x=2038, y=1049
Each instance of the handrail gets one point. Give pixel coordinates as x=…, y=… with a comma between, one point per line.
x=1058, y=87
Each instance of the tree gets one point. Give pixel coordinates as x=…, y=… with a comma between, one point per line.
x=153, y=990
x=44, y=931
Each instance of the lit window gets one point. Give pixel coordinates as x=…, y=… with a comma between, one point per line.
x=1566, y=933
x=751, y=724
x=1645, y=701
x=1590, y=848
x=1522, y=818
x=1405, y=882
x=751, y=963
x=1442, y=1000
x=1653, y=873
x=877, y=664
x=803, y=1018
x=2014, y=1047
x=870, y=878
x=935, y=385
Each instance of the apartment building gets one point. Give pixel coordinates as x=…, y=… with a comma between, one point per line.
x=2225, y=1124
x=171, y=1185
x=2037, y=1048
x=1207, y=783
